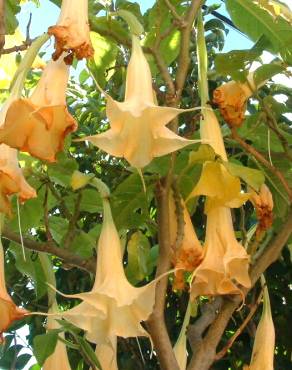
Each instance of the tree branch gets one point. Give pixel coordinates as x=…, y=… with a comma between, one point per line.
x=206, y=353
x=184, y=55
x=156, y=323
x=52, y=248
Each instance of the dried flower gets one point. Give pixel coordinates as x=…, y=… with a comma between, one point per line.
x=189, y=253
x=225, y=262
x=39, y=124
x=263, y=203
x=9, y=311
x=138, y=126
x=232, y=97
x=264, y=344
x=72, y=30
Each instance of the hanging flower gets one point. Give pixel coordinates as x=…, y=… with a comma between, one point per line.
x=232, y=97
x=138, y=126
x=219, y=186
x=180, y=347
x=39, y=124
x=189, y=253
x=114, y=307
x=263, y=203
x=12, y=180
x=107, y=354
x=72, y=30
x=9, y=312
x=59, y=359
x=264, y=344
x=225, y=264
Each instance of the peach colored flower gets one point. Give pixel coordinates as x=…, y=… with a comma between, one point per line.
x=138, y=125
x=72, y=30
x=39, y=124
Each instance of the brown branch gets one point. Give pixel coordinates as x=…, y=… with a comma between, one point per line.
x=250, y=149
x=173, y=11
x=156, y=323
x=2, y=25
x=206, y=353
x=52, y=248
x=71, y=232
x=184, y=55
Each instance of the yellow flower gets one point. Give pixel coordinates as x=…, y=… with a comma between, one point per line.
x=190, y=253
x=264, y=344
x=219, y=186
x=72, y=30
x=180, y=347
x=225, y=262
x=107, y=354
x=9, y=311
x=113, y=307
x=39, y=124
x=138, y=125
x=232, y=97
x=59, y=359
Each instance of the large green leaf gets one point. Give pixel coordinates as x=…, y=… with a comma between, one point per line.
x=44, y=345
x=11, y=9
x=255, y=22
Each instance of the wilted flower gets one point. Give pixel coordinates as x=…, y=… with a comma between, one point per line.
x=189, y=253
x=9, y=312
x=263, y=203
x=72, y=30
x=107, y=354
x=39, y=124
x=225, y=262
x=138, y=126
x=232, y=97
x=59, y=359
x=219, y=186
x=113, y=307
x=264, y=344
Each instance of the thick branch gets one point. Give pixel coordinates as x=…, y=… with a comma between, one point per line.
x=206, y=353
x=184, y=55
x=52, y=248
x=156, y=323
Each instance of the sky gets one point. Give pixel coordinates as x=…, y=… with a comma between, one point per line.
x=47, y=15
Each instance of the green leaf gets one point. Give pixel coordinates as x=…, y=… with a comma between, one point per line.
x=251, y=176
x=58, y=227
x=105, y=54
x=30, y=214
x=138, y=249
x=12, y=8
x=90, y=201
x=44, y=345
x=267, y=71
x=61, y=171
x=255, y=22
x=88, y=351
x=203, y=154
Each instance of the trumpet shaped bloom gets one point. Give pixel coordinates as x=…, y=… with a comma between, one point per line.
x=232, y=97
x=264, y=344
x=189, y=253
x=225, y=263
x=72, y=30
x=180, y=347
x=38, y=125
x=263, y=203
x=114, y=307
x=9, y=311
x=220, y=187
x=58, y=359
x=138, y=125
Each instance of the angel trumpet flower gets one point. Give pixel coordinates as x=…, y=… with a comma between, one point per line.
x=189, y=253
x=72, y=30
x=138, y=131
x=180, y=347
x=263, y=203
x=232, y=97
x=264, y=344
x=59, y=359
x=12, y=180
x=107, y=354
x=39, y=124
x=225, y=262
x=114, y=307
x=9, y=312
